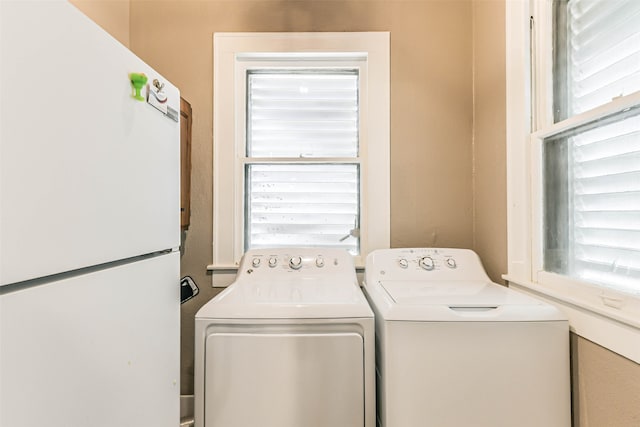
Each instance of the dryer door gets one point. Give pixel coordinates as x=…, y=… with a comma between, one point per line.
x=284, y=380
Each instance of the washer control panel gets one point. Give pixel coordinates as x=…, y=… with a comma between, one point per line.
x=435, y=264
x=304, y=261
x=427, y=262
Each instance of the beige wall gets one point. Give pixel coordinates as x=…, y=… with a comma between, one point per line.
x=111, y=15
x=606, y=387
x=489, y=137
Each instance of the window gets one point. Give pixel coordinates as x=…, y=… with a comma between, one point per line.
x=591, y=161
x=302, y=168
x=573, y=85
x=301, y=142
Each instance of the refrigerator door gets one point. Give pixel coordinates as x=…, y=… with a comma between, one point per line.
x=99, y=350
x=88, y=174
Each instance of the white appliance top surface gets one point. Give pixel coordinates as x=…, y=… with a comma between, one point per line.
x=435, y=284
x=291, y=283
x=452, y=293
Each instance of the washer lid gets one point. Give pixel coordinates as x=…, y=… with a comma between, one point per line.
x=295, y=298
x=457, y=301
x=456, y=293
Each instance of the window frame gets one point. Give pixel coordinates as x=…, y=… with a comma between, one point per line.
x=604, y=316
x=234, y=54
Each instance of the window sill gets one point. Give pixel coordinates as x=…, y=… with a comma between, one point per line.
x=231, y=268
x=619, y=335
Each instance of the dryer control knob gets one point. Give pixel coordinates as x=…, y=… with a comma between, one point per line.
x=255, y=262
x=320, y=262
x=295, y=262
x=403, y=263
x=427, y=263
x=451, y=263
x=273, y=262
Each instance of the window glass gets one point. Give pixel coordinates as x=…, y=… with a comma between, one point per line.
x=302, y=113
x=597, y=53
x=294, y=115
x=302, y=205
x=592, y=202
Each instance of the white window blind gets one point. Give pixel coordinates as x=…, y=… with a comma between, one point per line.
x=302, y=168
x=592, y=170
x=603, y=51
x=303, y=113
x=302, y=205
x=599, y=198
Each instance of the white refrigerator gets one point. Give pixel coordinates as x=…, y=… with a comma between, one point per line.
x=89, y=227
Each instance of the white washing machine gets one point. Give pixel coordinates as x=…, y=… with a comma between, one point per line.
x=455, y=350
x=290, y=343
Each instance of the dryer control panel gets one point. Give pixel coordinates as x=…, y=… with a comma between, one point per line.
x=425, y=264
x=303, y=261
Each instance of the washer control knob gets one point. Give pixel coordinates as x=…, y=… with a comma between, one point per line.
x=320, y=262
x=426, y=262
x=403, y=263
x=255, y=262
x=273, y=262
x=295, y=262
x=451, y=263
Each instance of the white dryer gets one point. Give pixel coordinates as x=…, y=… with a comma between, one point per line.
x=454, y=349
x=290, y=343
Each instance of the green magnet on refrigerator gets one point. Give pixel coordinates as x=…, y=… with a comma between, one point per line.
x=138, y=80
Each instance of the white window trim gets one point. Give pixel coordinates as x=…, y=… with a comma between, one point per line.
x=609, y=319
x=233, y=53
